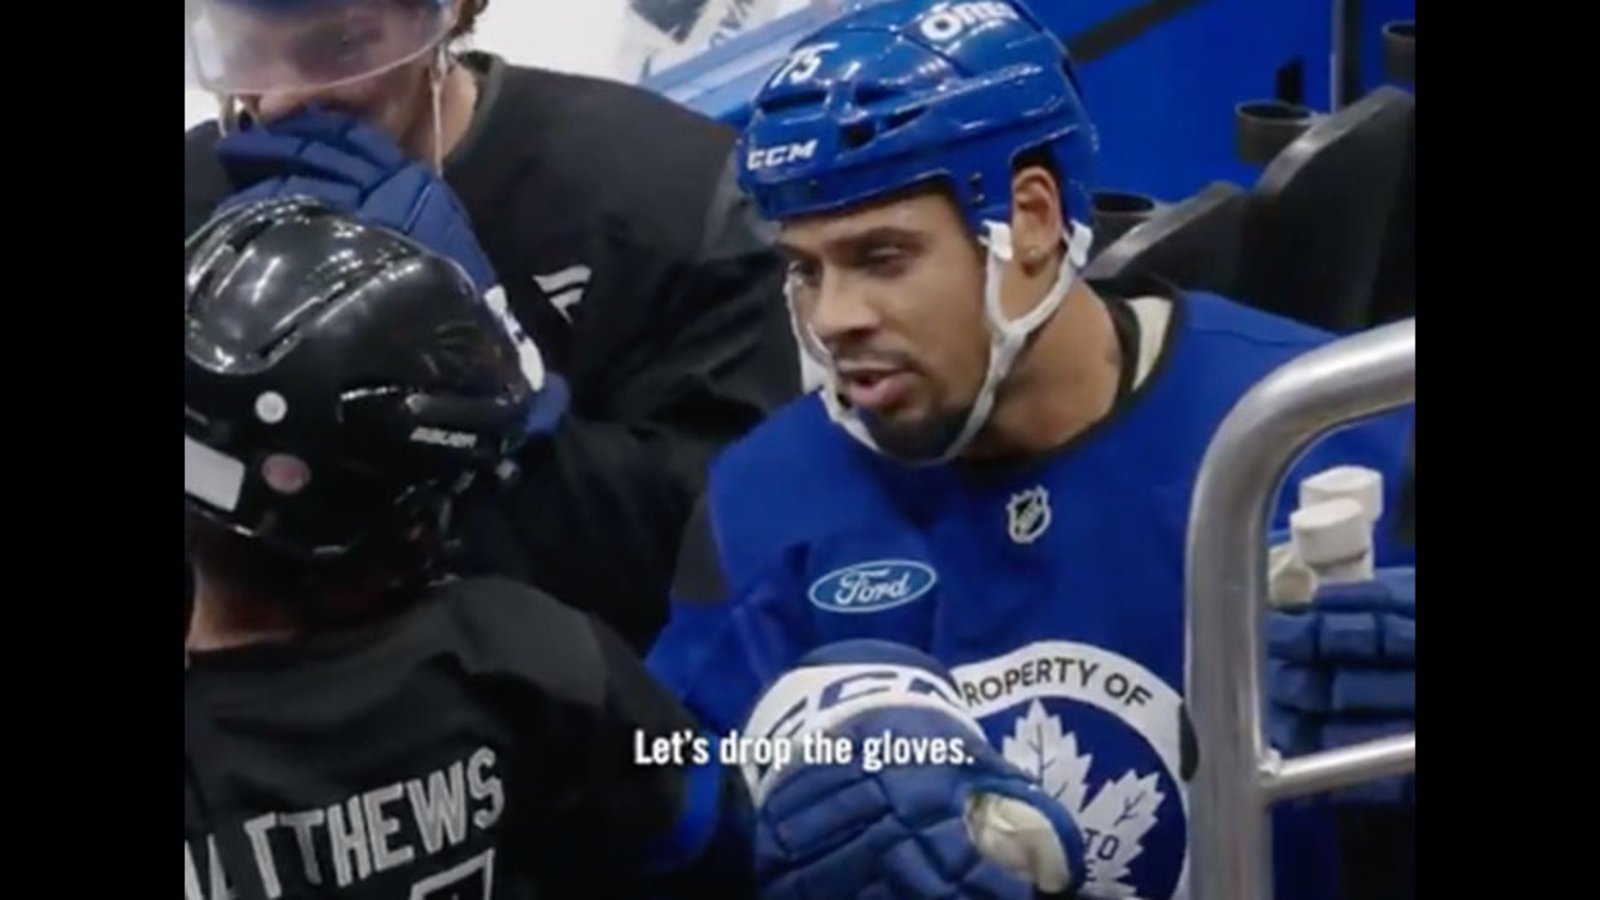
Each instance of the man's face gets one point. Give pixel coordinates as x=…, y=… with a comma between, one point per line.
x=392, y=101
x=894, y=292
x=334, y=50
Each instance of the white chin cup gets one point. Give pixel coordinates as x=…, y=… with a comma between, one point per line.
x=1006, y=340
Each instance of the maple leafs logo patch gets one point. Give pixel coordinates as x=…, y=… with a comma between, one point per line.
x=1114, y=820
x=1099, y=731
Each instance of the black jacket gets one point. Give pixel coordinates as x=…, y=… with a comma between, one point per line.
x=612, y=218
x=483, y=743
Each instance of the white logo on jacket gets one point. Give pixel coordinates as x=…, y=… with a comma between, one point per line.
x=872, y=586
x=565, y=288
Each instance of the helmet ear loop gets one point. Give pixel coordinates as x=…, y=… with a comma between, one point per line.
x=490, y=477
x=1011, y=333
x=816, y=363
x=1007, y=337
x=227, y=114
x=428, y=520
x=1079, y=241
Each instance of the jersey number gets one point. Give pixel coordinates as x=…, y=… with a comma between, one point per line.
x=803, y=65
x=471, y=880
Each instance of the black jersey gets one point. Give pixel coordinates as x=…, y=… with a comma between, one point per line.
x=481, y=745
x=613, y=219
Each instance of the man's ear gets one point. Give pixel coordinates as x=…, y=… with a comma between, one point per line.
x=1037, y=229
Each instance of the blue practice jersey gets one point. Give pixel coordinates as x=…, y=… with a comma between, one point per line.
x=1053, y=590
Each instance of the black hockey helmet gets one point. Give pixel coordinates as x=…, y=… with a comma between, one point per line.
x=342, y=383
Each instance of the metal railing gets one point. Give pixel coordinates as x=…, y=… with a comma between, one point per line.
x=1239, y=777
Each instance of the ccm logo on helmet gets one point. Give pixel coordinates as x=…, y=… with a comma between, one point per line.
x=948, y=24
x=767, y=157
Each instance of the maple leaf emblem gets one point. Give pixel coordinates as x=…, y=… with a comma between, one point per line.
x=1038, y=747
x=1114, y=822
x=1129, y=804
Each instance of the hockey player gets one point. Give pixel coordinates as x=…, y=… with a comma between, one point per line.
x=994, y=479
x=611, y=221
x=356, y=726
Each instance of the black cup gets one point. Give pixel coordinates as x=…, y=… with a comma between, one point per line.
x=1400, y=52
x=1115, y=212
x=1264, y=127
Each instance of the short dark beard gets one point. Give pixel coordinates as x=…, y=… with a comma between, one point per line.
x=922, y=441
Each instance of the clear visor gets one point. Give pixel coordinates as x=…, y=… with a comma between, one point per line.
x=262, y=46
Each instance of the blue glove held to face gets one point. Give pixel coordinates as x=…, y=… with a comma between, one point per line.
x=1343, y=670
x=359, y=169
x=956, y=821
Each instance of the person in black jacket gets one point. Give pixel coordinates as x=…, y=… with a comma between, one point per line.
x=355, y=724
x=613, y=222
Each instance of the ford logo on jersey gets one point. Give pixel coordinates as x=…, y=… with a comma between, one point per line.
x=872, y=586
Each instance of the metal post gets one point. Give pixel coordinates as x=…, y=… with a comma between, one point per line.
x=1238, y=777
x=1336, y=59
x=1344, y=57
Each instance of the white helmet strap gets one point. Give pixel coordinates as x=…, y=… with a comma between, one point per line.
x=437, y=73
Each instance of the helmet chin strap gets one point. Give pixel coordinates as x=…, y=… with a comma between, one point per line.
x=436, y=76
x=227, y=114
x=1007, y=337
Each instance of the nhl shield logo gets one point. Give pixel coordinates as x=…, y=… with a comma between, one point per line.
x=1028, y=515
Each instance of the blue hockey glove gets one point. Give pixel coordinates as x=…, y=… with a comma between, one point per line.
x=1343, y=670
x=359, y=169
x=924, y=807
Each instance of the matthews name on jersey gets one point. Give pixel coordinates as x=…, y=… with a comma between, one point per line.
x=613, y=220
x=370, y=833
x=1052, y=589
x=481, y=745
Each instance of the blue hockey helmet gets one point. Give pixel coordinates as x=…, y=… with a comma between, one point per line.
x=259, y=46
x=896, y=94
